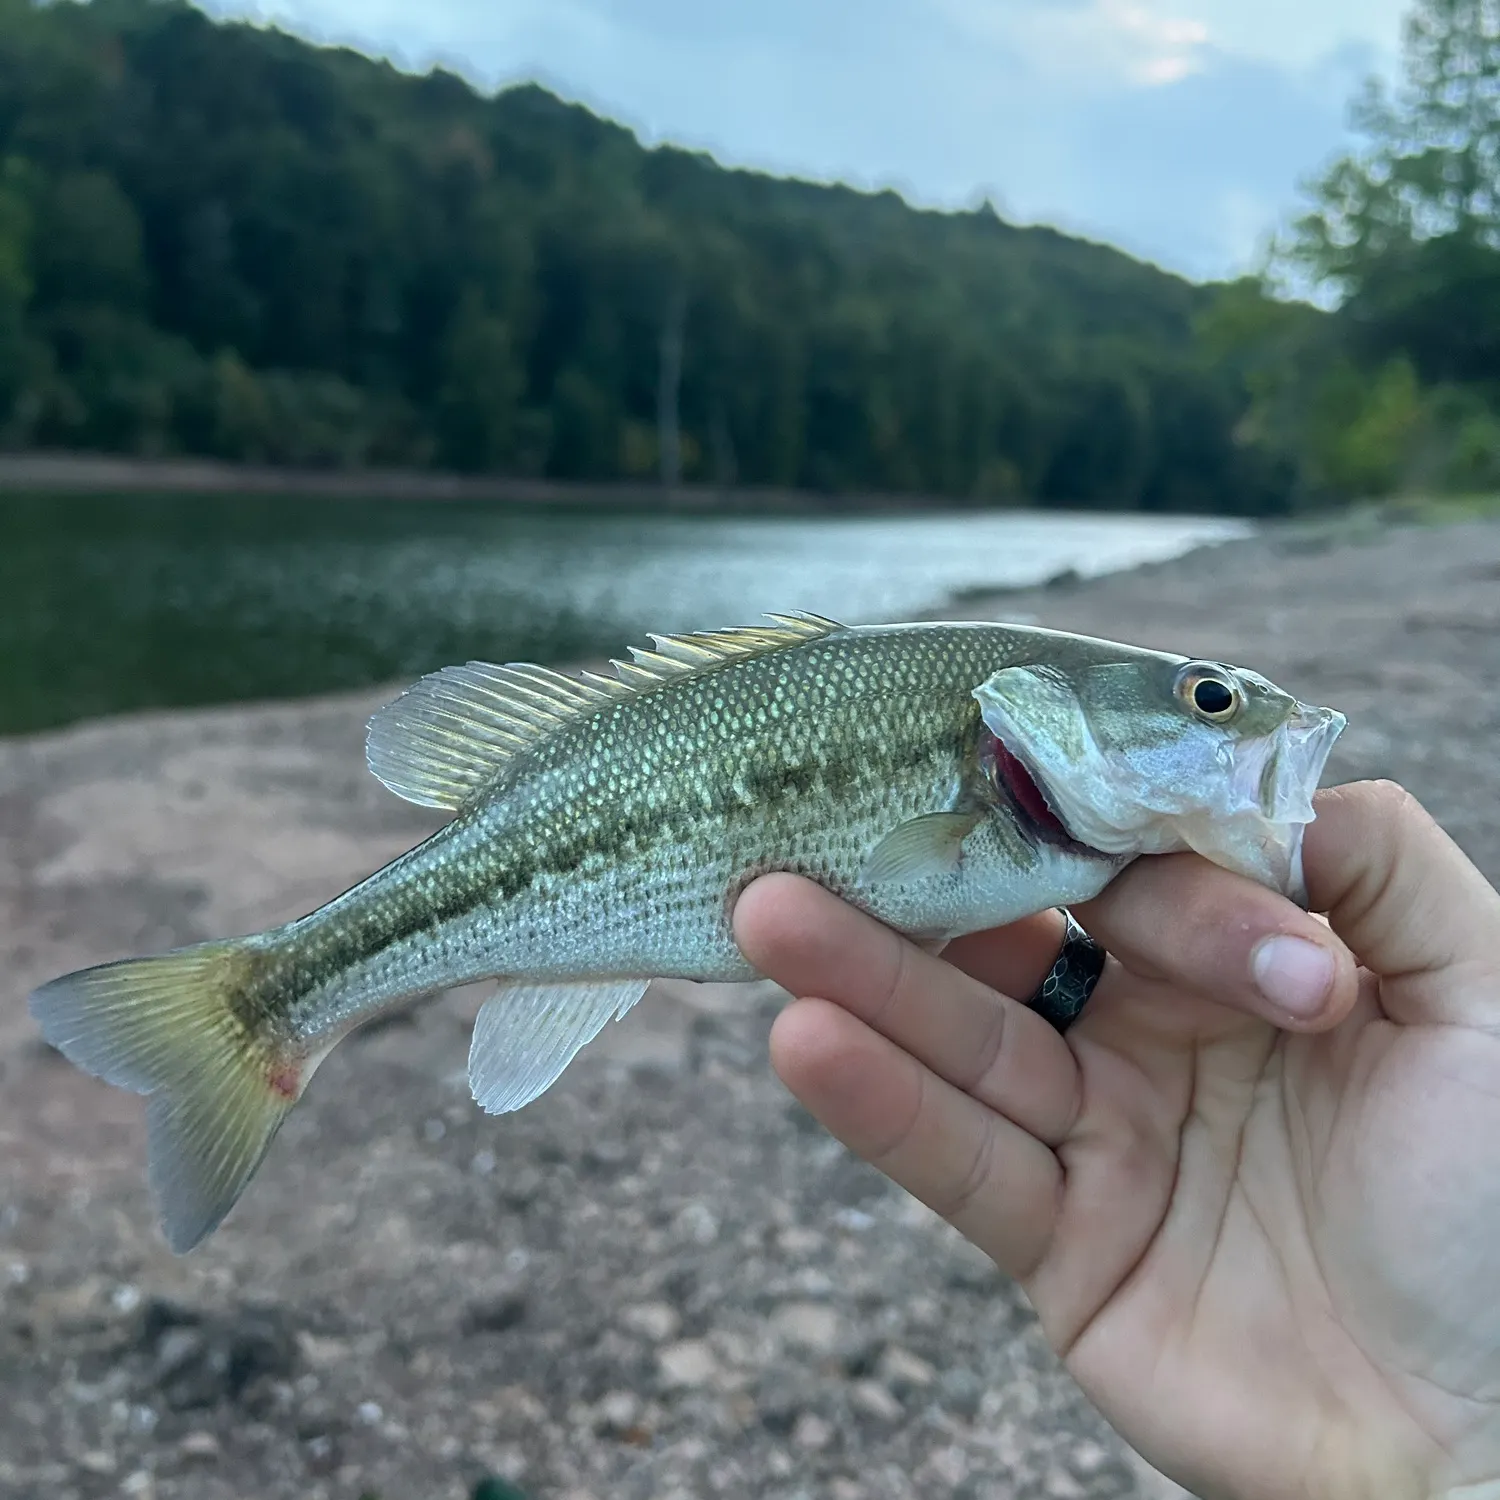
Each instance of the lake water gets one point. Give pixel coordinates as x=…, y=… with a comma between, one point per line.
x=116, y=603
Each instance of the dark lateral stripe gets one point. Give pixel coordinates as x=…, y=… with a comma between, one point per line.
x=393, y=912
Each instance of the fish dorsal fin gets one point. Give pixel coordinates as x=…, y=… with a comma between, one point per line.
x=449, y=735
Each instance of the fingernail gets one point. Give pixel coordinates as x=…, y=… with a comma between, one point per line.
x=1293, y=974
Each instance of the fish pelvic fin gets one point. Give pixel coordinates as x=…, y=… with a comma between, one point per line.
x=166, y=1027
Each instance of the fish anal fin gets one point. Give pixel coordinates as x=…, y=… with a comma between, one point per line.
x=450, y=735
x=526, y=1034
x=923, y=847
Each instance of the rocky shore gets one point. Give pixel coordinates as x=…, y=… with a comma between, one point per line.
x=659, y=1282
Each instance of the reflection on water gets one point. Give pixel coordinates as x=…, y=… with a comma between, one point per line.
x=114, y=603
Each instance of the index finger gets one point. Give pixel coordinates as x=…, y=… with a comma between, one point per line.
x=1410, y=904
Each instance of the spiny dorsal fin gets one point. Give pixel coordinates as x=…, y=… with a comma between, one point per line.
x=449, y=735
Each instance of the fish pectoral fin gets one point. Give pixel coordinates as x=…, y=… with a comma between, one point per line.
x=929, y=845
x=527, y=1033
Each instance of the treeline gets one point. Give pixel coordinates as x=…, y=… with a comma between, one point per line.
x=218, y=240
x=1399, y=388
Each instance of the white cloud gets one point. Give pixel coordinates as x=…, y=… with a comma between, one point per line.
x=1123, y=38
x=1083, y=41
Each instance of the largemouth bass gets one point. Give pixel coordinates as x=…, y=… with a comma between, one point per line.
x=944, y=777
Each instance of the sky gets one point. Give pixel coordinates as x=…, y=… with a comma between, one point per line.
x=1179, y=130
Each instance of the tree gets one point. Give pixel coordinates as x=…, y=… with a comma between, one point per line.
x=477, y=406
x=1431, y=165
x=15, y=285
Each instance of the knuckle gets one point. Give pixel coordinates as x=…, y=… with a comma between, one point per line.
x=965, y=1191
x=898, y=969
x=989, y=1057
x=881, y=1154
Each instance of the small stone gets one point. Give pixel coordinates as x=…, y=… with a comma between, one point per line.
x=949, y=1466
x=1061, y=1485
x=322, y=1454
x=924, y=1312
x=368, y=1414
x=903, y=1370
x=845, y=1489
x=798, y=1241
x=507, y=1461
x=497, y=1314
x=689, y=1363
x=657, y=1321
x=199, y=1445
x=322, y=1353
x=872, y=1398
x=1089, y=1457
x=177, y=1348
x=97, y=1461
x=140, y=1485
x=963, y=1392
x=619, y=1410
x=605, y=1156
x=808, y=1325
x=811, y=1433
x=125, y=1298
x=700, y=1223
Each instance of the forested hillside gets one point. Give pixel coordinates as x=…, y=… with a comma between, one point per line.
x=219, y=240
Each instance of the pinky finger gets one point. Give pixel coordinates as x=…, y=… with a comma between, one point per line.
x=997, y=1185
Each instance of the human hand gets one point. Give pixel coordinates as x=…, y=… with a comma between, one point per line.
x=1261, y=1236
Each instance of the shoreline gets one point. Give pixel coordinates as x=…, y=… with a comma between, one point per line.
x=69, y=473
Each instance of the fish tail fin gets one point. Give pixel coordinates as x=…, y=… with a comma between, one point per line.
x=169, y=1028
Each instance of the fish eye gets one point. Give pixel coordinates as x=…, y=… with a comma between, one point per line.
x=1212, y=695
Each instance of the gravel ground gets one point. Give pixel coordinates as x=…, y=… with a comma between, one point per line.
x=659, y=1282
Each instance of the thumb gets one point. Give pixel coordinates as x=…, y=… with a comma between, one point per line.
x=1408, y=902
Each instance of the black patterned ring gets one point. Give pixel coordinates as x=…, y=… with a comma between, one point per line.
x=1071, y=979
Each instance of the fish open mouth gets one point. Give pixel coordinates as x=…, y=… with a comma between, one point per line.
x=1010, y=776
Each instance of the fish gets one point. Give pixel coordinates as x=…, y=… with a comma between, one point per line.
x=944, y=777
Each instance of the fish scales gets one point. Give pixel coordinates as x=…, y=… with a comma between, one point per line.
x=945, y=777
x=641, y=819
